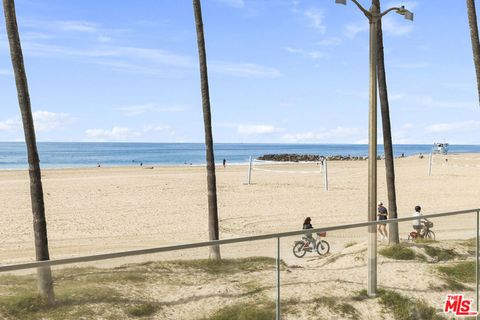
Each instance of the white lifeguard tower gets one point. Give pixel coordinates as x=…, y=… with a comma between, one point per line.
x=440, y=148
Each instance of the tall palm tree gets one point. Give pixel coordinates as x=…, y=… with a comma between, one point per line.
x=387, y=133
x=45, y=284
x=472, y=22
x=207, y=119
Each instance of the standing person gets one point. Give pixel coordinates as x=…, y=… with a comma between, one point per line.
x=224, y=162
x=308, y=236
x=382, y=215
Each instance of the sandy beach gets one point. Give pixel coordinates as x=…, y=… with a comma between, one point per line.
x=96, y=210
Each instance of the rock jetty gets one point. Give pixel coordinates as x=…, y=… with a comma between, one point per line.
x=292, y=157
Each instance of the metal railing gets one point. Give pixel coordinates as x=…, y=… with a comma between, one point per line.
x=278, y=236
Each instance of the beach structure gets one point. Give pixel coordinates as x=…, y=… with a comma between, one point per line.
x=440, y=147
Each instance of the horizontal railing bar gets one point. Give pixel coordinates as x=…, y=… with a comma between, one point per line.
x=138, y=252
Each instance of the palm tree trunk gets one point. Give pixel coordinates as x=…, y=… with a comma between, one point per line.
x=207, y=119
x=472, y=22
x=387, y=134
x=45, y=284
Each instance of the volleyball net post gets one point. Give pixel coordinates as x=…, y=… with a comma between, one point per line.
x=430, y=164
x=325, y=173
x=249, y=176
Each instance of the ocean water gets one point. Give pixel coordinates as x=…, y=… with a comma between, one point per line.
x=77, y=154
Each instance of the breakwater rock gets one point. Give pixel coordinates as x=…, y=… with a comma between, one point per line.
x=307, y=157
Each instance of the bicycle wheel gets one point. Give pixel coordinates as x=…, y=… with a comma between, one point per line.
x=430, y=235
x=323, y=247
x=298, y=249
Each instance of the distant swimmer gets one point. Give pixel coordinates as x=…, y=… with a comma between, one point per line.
x=98, y=165
x=224, y=163
x=141, y=164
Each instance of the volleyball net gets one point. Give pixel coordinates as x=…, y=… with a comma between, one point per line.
x=289, y=167
x=444, y=161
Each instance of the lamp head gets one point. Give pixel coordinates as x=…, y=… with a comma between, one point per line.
x=406, y=13
x=341, y=2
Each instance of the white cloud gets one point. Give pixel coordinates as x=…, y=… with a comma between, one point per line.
x=330, y=42
x=79, y=26
x=244, y=70
x=256, y=129
x=156, y=128
x=315, y=17
x=132, y=111
x=430, y=102
x=464, y=126
x=233, y=3
x=314, y=55
x=6, y=72
x=396, y=26
x=163, y=130
x=134, y=53
x=29, y=36
x=43, y=121
x=116, y=133
x=351, y=30
x=104, y=38
x=10, y=125
x=338, y=134
x=391, y=25
x=47, y=121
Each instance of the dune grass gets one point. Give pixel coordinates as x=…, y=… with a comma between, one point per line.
x=440, y=254
x=397, y=252
x=404, y=308
x=463, y=271
x=242, y=311
x=344, y=309
x=106, y=293
x=349, y=244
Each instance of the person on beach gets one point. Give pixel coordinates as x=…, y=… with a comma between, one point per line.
x=224, y=162
x=382, y=215
x=417, y=224
x=308, y=236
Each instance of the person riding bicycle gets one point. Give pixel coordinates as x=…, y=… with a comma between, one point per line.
x=419, y=223
x=308, y=236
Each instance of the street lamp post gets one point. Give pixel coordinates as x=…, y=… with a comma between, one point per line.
x=374, y=16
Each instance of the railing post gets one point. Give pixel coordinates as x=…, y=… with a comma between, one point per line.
x=278, y=312
x=476, y=266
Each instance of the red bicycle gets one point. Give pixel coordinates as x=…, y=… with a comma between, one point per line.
x=425, y=233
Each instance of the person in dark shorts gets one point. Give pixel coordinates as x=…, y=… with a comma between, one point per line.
x=382, y=215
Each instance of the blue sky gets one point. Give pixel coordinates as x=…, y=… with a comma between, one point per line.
x=281, y=71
